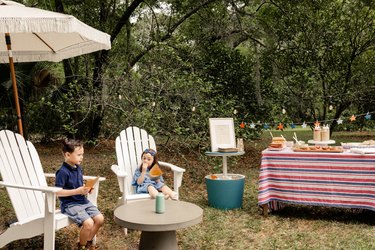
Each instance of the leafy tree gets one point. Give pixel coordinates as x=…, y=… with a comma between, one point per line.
x=171, y=57
x=321, y=47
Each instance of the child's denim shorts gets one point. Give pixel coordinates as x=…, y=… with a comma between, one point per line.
x=81, y=212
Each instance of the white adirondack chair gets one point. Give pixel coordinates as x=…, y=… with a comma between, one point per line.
x=129, y=147
x=33, y=201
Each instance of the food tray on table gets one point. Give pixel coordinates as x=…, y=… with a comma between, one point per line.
x=317, y=149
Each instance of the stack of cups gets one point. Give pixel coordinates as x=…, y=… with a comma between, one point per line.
x=317, y=134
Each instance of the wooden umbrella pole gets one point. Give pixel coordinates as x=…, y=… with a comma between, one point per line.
x=14, y=82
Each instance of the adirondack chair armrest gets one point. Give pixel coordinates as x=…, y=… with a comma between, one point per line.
x=121, y=176
x=49, y=191
x=93, y=195
x=118, y=172
x=174, y=168
x=177, y=174
x=46, y=189
x=48, y=175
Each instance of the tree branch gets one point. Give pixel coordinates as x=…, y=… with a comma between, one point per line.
x=168, y=34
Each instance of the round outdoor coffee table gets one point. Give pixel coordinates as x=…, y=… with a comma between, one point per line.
x=158, y=230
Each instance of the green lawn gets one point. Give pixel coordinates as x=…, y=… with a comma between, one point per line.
x=294, y=227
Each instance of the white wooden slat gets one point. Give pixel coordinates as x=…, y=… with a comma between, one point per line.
x=4, y=159
x=27, y=175
x=18, y=197
x=120, y=161
x=138, y=147
x=126, y=160
x=7, y=175
x=120, y=153
x=131, y=137
x=37, y=176
x=126, y=149
x=151, y=142
x=38, y=169
x=144, y=141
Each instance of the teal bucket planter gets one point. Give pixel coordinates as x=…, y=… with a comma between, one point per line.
x=225, y=192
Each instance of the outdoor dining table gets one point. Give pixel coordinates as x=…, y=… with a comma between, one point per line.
x=322, y=179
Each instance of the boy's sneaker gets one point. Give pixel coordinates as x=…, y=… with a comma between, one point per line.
x=90, y=246
x=79, y=247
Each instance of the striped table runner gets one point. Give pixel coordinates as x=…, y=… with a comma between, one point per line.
x=321, y=179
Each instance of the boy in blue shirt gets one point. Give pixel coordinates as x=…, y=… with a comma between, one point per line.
x=73, y=195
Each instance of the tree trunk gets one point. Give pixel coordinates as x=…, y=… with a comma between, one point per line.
x=257, y=79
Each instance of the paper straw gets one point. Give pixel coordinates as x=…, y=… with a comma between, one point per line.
x=271, y=134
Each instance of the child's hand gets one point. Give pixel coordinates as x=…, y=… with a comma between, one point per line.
x=144, y=167
x=83, y=190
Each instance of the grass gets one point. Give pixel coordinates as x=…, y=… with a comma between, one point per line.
x=294, y=227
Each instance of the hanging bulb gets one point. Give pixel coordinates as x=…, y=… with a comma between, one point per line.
x=153, y=104
x=235, y=111
x=193, y=109
x=330, y=107
x=283, y=111
x=119, y=97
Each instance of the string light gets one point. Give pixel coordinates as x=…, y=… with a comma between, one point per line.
x=339, y=121
x=330, y=103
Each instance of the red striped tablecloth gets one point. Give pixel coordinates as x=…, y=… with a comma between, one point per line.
x=321, y=179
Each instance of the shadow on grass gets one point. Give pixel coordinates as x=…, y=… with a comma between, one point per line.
x=342, y=215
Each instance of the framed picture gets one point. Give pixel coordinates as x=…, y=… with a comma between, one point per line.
x=222, y=133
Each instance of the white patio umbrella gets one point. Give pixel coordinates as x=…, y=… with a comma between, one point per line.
x=33, y=34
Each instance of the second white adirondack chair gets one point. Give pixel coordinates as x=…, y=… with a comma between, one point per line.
x=34, y=202
x=129, y=147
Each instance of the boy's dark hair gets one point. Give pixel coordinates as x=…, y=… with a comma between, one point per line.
x=70, y=144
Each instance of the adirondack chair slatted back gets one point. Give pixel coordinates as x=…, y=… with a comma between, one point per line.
x=20, y=164
x=129, y=147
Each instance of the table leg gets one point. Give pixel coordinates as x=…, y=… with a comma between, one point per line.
x=265, y=210
x=158, y=240
x=225, y=165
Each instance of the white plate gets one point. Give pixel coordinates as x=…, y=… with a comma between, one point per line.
x=363, y=151
x=356, y=145
x=275, y=149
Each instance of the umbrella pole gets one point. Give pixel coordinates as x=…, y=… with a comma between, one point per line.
x=14, y=82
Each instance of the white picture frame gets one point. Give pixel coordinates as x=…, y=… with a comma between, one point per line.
x=222, y=133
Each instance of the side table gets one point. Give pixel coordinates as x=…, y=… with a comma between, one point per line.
x=225, y=191
x=158, y=230
x=225, y=160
